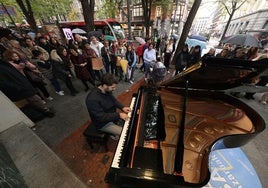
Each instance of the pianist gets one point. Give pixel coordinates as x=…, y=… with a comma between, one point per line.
x=102, y=106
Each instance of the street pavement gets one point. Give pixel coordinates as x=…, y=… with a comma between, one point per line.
x=71, y=113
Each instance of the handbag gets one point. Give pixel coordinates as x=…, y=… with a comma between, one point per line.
x=97, y=63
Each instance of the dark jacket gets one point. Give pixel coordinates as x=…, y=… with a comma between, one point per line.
x=104, y=54
x=14, y=84
x=182, y=60
x=102, y=108
x=130, y=57
x=58, y=70
x=44, y=66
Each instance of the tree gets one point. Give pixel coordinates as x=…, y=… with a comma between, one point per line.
x=166, y=7
x=230, y=6
x=186, y=28
x=88, y=13
x=28, y=13
x=146, y=6
x=35, y=9
x=55, y=10
x=108, y=9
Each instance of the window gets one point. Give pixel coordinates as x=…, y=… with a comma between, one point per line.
x=138, y=11
x=158, y=11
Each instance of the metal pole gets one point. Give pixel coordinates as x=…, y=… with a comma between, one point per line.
x=128, y=19
x=180, y=145
x=179, y=19
x=174, y=17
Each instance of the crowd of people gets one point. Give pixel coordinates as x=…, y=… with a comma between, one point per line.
x=29, y=65
x=187, y=57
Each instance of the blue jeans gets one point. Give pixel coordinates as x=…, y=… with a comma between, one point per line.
x=55, y=84
x=112, y=128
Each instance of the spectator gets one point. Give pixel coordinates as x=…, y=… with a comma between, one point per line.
x=139, y=53
x=89, y=53
x=195, y=55
x=65, y=57
x=121, y=63
x=16, y=46
x=149, y=58
x=223, y=54
x=106, y=53
x=30, y=46
x=15, y=85
x=262, y=81
x=96, y=45
x=132, y=59
x=252, y=53
x=211, y=53
x=182, y=60
x=80, y=40
x=239, y=53
x=80, y=68
x=144, y=47
x=54, y=43
x=43, y=42
x=168, y=51
x=159, y=71
x=46, y=68
x=60, y=71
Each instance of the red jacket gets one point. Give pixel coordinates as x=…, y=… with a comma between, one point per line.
x=139, y=50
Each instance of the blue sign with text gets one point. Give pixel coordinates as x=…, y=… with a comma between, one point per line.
x=230, y=168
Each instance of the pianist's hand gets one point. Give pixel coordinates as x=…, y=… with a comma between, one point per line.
x=126, y=109
x=124, y=116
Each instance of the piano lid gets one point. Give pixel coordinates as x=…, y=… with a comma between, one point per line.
x=218, y=74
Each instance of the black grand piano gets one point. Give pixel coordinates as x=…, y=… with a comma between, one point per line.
x=174, y=126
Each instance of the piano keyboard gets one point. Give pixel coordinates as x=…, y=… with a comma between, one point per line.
x=123, y=136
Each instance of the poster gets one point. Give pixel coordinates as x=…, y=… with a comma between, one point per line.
x=67, y=33
x=230, y=168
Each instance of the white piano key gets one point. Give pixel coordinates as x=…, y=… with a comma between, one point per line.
x=122, y=139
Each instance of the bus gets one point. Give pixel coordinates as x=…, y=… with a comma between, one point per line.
x=109, y=27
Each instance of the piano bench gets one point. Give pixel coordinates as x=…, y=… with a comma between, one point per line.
x=95, y=136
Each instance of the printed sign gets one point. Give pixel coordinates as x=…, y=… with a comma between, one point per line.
x=9, y=10
x=68, y=33
x=230, y=168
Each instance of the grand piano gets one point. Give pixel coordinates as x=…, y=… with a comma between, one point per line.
x=175, y=125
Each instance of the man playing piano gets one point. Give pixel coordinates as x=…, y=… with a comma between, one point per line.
x=102, y=106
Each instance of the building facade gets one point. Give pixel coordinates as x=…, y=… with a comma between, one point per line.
x=250, y=18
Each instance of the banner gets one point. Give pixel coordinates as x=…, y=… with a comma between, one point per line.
x=68, y=33
x=10, y=10
x=230, y=168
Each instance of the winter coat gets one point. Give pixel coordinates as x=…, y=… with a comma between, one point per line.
x=44, y=67
x=14, y=84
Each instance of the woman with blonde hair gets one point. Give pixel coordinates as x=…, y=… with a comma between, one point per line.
x=60, y=72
